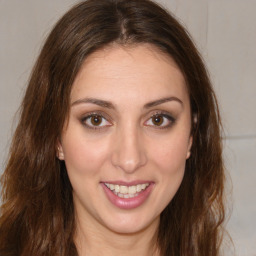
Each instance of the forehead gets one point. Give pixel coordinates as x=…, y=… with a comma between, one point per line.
x=118, y=72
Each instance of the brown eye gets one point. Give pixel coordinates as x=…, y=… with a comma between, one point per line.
x=157, y=120
x=160, y=121
x=96, y=120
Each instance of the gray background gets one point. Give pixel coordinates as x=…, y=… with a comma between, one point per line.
x=225, y=33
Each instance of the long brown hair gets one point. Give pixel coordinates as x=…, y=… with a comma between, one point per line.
x=37, y=216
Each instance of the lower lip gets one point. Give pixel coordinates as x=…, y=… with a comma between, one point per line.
x=128, y=203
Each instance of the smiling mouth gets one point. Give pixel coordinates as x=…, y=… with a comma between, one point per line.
x=126, y=191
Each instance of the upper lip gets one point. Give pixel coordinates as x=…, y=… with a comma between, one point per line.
x=128, y=183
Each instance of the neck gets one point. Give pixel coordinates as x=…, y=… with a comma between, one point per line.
x=97, y=240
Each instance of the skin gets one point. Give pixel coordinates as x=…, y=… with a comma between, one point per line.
x=127, y=145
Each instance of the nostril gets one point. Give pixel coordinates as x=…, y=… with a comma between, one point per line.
x=128, y=150
x=129, y=162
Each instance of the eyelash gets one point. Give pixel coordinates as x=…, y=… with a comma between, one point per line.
x=170, y=119
x=95, y=114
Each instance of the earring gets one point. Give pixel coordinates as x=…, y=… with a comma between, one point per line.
x=60, y=154
x=195, y=119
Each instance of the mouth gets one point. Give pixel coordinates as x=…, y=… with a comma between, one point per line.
x=123, y=191
x=127, y=195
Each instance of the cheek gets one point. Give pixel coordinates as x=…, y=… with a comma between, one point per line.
x=169, y=160
x=171, y=155
x=83, y=156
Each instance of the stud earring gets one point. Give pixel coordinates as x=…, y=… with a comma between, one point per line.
x=60, y=154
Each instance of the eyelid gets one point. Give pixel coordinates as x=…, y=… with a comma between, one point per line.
x=171, y=119
x=96, y=113
x=164, y=114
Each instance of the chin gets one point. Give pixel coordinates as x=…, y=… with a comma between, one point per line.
x=126, y=224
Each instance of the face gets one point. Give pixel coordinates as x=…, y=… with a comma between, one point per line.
x=127, y=137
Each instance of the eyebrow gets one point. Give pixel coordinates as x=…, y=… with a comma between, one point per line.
x=108, y=104
x=101, y=103
x=161, y=101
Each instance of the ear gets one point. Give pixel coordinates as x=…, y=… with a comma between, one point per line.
x=190, y=142
x=59, y=151
x=189, y=146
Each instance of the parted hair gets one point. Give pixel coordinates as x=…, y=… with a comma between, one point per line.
x=37, y=212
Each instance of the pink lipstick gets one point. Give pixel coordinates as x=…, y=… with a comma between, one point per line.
x=127, y=195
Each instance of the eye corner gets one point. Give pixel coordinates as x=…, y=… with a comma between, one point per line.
x=162, y=120
x=100, y=122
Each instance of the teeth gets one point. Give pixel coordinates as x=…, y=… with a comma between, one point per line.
x=133, y=195
x=127, y=191
x=117, y=188
x=120, y=195
x=123, y=189
x=132, y=190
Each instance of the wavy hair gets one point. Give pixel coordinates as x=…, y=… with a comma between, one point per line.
x=37, y=212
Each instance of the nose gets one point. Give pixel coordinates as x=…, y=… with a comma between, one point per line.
x=128, y=150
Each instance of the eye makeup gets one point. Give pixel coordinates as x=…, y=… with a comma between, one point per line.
x=96, y=120
x=160, y=120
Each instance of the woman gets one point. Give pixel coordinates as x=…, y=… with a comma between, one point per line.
x=118, y=148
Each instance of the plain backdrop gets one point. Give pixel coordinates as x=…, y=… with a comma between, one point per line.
x=225, y=33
